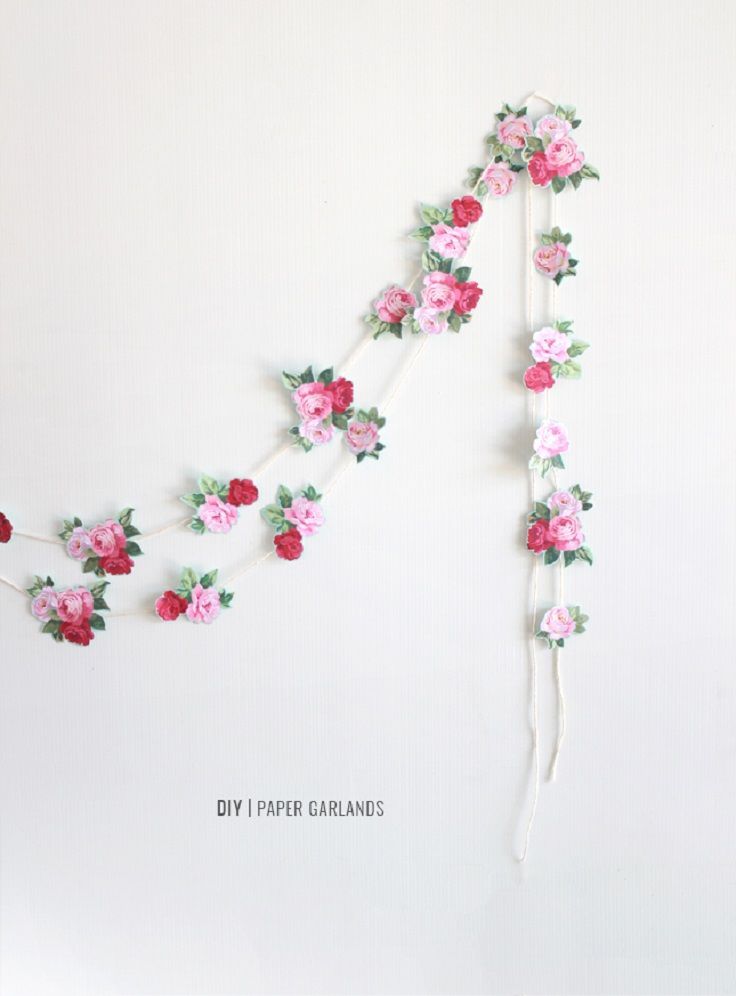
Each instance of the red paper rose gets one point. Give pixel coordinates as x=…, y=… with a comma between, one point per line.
x=170, y=606
x=539, y=169
x=341, y=392
x=465, y=211
x=539, y=377
x=242, y=492
x=466, y=297
x=538, y=539
x=80, y=633
x=117, y=563
x=289, y=544
x=6, y=528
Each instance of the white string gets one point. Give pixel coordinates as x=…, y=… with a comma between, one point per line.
x=557, y=652
x=55, y=541
x=535, y=563
x=13, y=585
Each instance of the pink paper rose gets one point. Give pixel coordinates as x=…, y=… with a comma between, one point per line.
x=107, y=538
x=564, y=503
x=43, y=604
x=549, y=344
x=313, y=402
x=551, y=440
x=499, y=179
x=430, y=321
x=394, y=303
x=74, y=605
x=362, y=437
x=552, y=127
x=204, y=606
x=449, y=242
x=306, y=515
x=564, y=157
x=566, y=532
x=317, y=433
x=218, y=516
x=78, y=543
x=558, y=623
x=513, y=130
x=551, y=260
x=439, y=291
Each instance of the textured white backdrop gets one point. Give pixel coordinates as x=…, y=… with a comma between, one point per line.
x=195, y=195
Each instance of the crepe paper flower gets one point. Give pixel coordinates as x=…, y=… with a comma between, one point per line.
x=466, y=211
x=196, y=599
x=107, y=548
x=323, y=404
x=498, y=178
x=554, y=527
x=539, y=377
x=6, y=528
x=216, y=505
x=68, y=614
x=363, y=434
x=294, y=518
x=552, y=258
x=555, y=351
x=391, y=310
x=550, y=443
x=561, y=622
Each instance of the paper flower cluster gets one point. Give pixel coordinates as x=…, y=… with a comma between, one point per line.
x=448, y=297
x=322, y=404
x=69, y=615
x=550, y=443
x=545, y=148
x=294, y=518
x=106, y=548
x=216, y=505
x=196, y=599
x=555, y=351
x=554, y=527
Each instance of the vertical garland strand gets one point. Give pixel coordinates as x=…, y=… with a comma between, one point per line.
x=557, y=652
x=535, y=563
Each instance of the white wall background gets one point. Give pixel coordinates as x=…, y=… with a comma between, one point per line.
x=195, y=195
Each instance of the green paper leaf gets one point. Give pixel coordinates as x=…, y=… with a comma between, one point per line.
x=100, y=603
x=284, y=496
x=91, y=565
x=551, y=556
x=131, y=531
x=290, y=381
x=570, y=556
x=96, y=622
x=132, y=549
x=188, y=580
x=125, y=517
x=273, y=514
x=326, y=377
x=193, y=500
x=541, y=510
x=462, y=273
x=209, y=485
x=197, y=526
x=307, y=376
x=422, y=234
x=208, y=580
